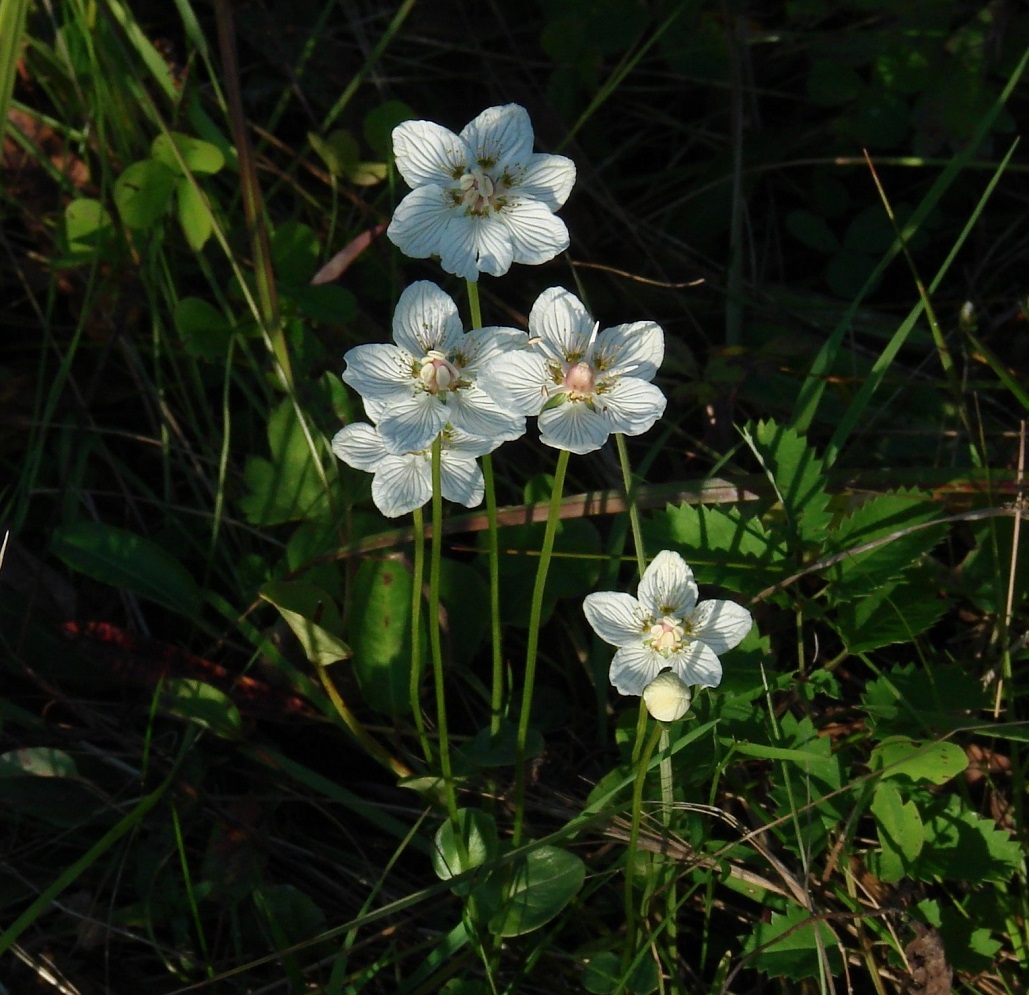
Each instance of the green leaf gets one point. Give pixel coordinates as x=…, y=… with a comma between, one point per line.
x=127, y=561
x=812, y=231
x=918, y=702
x=604, y=974
x=522, y=897
x=199, y=156
x=292, y=914
x=87, y=227
x=206, y=332
x=193, y=213
x=203, y=704
x=338, y=150
x=479, y=844
x=830, y=83
x=788, y=946
x=295, y=249
x=890, y=521
x=798, y=475
x=143, y=193
x=900, y=830
x=896, y=613
x=311, y=614
x=935, y=762
x=40, y=761
x=380, y=122
x=380, y=634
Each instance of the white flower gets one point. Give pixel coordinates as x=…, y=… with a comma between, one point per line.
x=402, y=482
x=428, y=379
x=667, y=698
x=483, y=199
x=665, y=627
x=583, y=385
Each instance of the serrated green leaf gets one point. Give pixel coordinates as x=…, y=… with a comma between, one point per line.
x=127, y=561
x=915, y=702
x=896, y=613
x=798, y=475
x=380, y=634
x=789, y=946
x=313, y=617
x=935, y=762
x=143, y=193
x=203, y=704
x=198, y=155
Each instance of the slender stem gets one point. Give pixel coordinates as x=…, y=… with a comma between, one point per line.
x=416, y=633
x=473, y=303
x=672, y=902
x=630, y=501
x=435, y=644
x=535, y=615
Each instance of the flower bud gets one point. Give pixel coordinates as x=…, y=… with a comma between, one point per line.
x=667, y=697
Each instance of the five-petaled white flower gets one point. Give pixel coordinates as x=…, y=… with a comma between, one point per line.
x=480, y=200
x=402, y=481
x=583, y=385
x=428, y=378
x=665, y=628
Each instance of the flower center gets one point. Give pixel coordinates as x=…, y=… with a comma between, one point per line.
x=437, y=372
x=667, y=635
x=477, y=191
x=578, y=381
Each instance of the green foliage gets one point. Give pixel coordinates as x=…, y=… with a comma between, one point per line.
x=793, y=944
x=312, y=616
x=202, y=704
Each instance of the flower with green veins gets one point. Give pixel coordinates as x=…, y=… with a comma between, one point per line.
x=665, y=628
x=429, y=377
x=583, y=383
x=480, y=200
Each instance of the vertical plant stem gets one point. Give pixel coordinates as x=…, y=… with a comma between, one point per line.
x=535, y=613
x=416, y=633
x=497, y=685
x=630, y=500
x=672, y=902
x=435, y=644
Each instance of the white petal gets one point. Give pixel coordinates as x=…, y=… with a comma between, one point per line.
x=374, y=408
x=428, y=153
x=562, y=321
x=616, y=617
x=634, y=667
x=667, y=586
x=500, y=135
x=460, y=479
x=536, y=235
x=411, y=424
x=548, y=179
x=468, y=446
x=401, y=484
x=574, y=426
x=493, y=246
x=421, y=222
x=474, y=411
x=518, y=381
x=720, y=624
x=667, y=698
x=426, y=318
x=457, y=247
x=636, y=349
x=481, y=346
x=379, y=370
x=631, y=406
x=698, y=665
x=359, y=446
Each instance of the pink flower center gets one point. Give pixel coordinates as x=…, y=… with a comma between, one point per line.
x=667, y=635
x=477, y=191
x=578, y=381
x=437, y=372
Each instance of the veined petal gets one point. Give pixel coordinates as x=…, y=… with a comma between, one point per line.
x=535, y=233
x=465, y=446
x=374, y=408
x=379, y=370
x=426, y=153
x=636, y=349
x=493, y=245
x=616, y=617
x=720, y=624
x=634, y=667
x=401, y=484
x=574, y=426
x=359, y=446
x=426, y=318
x=562, y=321
x=667, y=586
x=421, y=221
x=548, y=179
x=500, y=135
x=698, y=664
x=411, y=424
x=474, y=411
x=631, y=406
x=481, y=346
x=456, y=246
x=460, y=479
x=517, y=380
